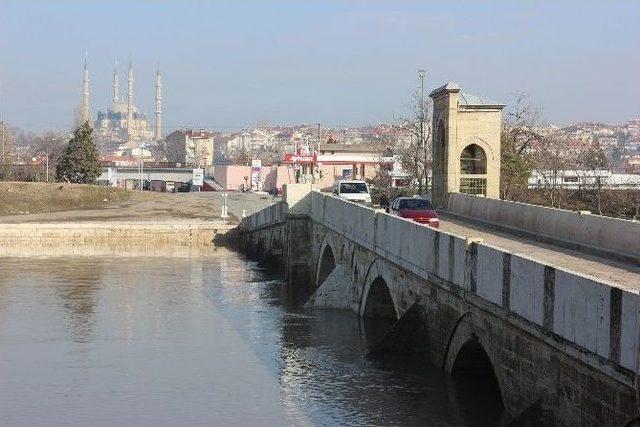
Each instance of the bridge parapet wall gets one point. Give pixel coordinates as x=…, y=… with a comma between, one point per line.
x=601, y=234
x=274, y=214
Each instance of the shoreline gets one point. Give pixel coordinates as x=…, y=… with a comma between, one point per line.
x=110, y=237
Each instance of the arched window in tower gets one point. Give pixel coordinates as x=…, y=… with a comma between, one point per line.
x=473, y=160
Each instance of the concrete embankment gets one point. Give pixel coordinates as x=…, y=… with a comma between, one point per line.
x=93, y=237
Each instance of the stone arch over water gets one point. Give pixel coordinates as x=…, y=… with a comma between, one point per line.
x=469, y=360
x=378, y=303
x=326, y=264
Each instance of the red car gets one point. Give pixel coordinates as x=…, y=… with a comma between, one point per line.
x=418, y=209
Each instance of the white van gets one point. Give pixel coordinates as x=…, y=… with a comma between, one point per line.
x=355, y=191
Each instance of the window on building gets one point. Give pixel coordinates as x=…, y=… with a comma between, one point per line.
x=473, y=186
x=473, y=161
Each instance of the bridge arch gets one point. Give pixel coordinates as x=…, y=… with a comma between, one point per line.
x=472, y=359
x=326, y=263
x=378, y=312
x=468, y=357
x=378, y=302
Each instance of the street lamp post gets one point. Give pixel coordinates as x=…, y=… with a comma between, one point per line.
x=421, y=74
x=2, y=129
x=53, y=140
x=141, y=165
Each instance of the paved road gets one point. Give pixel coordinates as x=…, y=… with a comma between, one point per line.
x=622, y=274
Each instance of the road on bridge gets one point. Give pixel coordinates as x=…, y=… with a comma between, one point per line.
x=619, y=273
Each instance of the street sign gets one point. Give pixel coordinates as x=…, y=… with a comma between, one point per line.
x=256, y=170
x=198, y=177
x=290, y=158
x=112, y=176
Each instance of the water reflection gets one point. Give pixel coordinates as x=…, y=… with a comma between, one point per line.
x=213, y=340
x=324, y=366
x=77, y=286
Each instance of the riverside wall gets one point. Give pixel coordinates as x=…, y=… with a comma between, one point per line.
x=35, y=238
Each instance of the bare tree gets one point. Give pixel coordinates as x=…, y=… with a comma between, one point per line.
x=50, y=145
x=522, y=123
x=594, y=160
x=7, y=141
x=242, y=158
x=170, y=149
x=551, y=159
x=415, y=151
x=519, y=135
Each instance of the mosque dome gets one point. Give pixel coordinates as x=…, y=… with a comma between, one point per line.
x=114, y=121
x=121, y=107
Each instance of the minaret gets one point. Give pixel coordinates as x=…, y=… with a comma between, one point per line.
x=116, y=85
x=158, y=134
x=130, y=101
x=84, y=114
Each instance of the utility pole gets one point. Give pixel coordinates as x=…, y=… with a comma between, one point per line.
x=141, y=165
x=314, y=167
x=53, y=140
x=421, y=74
x=2, y=125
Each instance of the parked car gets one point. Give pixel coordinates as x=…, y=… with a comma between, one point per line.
x=415, y=208
x=182, y=187
x=355, y=191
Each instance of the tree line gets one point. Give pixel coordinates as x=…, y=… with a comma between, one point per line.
x=61, y=157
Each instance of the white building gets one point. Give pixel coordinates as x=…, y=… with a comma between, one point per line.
x=190, y=147
x=580, y=179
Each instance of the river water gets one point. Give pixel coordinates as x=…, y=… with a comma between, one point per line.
x=195, y=341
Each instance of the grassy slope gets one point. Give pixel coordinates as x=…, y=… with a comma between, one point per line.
x=40, y=197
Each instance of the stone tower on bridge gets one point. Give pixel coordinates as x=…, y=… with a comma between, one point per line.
x=466, y=144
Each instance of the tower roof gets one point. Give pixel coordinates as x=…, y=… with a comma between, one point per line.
x=465, y=99
x=448, y=87
x=469, y=99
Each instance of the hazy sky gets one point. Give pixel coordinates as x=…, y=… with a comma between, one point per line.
x=229, y=64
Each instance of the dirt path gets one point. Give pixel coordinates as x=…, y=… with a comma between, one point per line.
x=158, y=207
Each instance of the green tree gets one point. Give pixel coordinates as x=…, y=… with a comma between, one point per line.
x=79, y=161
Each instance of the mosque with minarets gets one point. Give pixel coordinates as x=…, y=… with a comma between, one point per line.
x=122, y=122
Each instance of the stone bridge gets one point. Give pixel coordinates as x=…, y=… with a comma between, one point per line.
x=557, y=342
